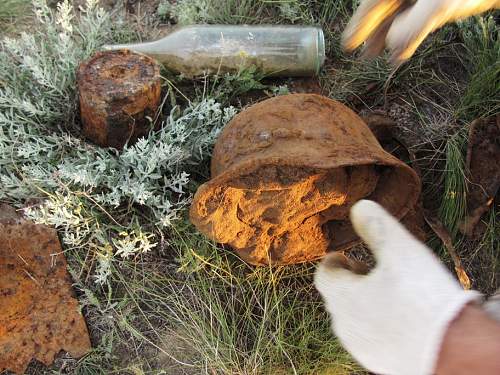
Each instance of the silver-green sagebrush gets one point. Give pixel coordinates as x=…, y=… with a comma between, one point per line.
x=42, y=155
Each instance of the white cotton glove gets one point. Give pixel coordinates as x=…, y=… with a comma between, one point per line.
x=393, y=319
x=404, y=24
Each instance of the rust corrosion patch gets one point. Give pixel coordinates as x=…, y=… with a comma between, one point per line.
x=119, y=94
x=39, y=315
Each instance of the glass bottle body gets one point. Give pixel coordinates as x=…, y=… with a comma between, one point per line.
x=214, y=49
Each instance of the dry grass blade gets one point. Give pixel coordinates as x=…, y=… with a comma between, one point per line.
x=445, y=236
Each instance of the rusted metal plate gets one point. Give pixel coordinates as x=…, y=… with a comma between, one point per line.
x=39, y=315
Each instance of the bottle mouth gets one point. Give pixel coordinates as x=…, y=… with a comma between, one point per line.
x=321, y=50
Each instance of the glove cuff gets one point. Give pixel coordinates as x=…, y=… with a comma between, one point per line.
x=439, y=327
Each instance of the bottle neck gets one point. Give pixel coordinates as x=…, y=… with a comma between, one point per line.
x=150, y=48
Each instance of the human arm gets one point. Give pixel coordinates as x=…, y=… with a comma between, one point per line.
x=398, y=318
x=471, y=345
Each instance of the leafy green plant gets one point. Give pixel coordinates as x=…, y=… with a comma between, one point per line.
x=230, y=86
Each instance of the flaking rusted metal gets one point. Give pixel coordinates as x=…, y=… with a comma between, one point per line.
x=39, y=315
x=119, y=93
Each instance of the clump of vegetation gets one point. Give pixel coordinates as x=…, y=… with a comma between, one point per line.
x=187, y=12
x=229, y=317
x=213, y=11
x=481, y=98
x=150, y=177
x=11, y=11
x=38, y=69
x=481, y=36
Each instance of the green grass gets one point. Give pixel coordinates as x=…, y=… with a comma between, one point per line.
x=200, y=309
x=10, y=9
x=454, y=201
x=485, y=255
x=257, y=12
x=482, y=42
x=250, y=320
x=480, y=98
x=12, y=12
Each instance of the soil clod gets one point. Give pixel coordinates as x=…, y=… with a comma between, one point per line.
x=483, y=166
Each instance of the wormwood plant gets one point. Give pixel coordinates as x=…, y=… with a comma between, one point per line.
x=99, y=199
x=187, y=12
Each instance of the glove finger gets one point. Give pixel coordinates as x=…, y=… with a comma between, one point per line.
x=375, y=44
x=383, y=234
x=410, y=28
x=336, y=272
x=367, y=19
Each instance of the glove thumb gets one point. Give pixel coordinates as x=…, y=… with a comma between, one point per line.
x=411, y=27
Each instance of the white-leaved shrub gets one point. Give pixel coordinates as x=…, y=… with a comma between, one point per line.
x=187, y=12
x=38, y=69
x=150, y=174
x=101, y=200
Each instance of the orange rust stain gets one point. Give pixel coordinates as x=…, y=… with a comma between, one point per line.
x=118, y=91
x=39, y=315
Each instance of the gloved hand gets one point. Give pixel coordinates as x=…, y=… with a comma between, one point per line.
x=393, y=319
x=402, y=25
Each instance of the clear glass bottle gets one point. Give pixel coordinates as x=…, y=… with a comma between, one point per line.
x=211, y=49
